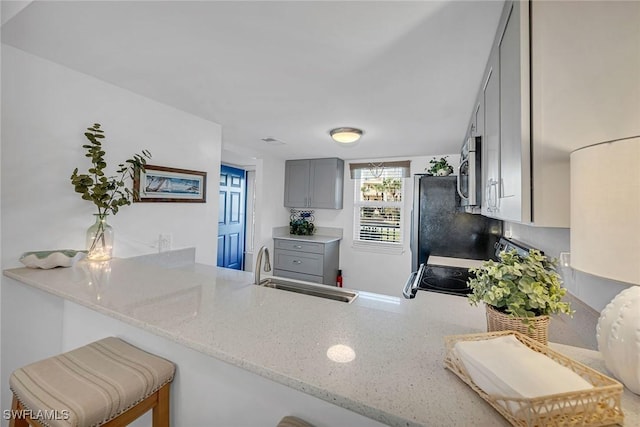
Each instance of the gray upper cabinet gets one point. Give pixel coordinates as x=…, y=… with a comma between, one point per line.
x=314, y=183
x=478, y=119
x=505, y=141
x=543, y=97
x=505, y=130
x=490, y=98
x=296, y=183
x=513, y=182
x=585, y=89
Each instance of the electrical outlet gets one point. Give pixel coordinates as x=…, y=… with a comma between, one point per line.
x=565, y=259
x=164, y=242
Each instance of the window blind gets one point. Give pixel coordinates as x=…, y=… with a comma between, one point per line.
x=399, y=169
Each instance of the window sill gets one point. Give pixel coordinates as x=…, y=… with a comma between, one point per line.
x=382, y=248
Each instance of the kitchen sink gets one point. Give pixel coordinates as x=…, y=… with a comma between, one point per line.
x=322, y=291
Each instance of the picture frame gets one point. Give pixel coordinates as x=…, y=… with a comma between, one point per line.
x=165, y=184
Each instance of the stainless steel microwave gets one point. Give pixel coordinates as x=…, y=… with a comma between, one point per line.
x=470, y=175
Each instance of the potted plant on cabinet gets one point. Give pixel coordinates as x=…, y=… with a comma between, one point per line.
x=519, y=292
x=440, y=167
x=108, y=193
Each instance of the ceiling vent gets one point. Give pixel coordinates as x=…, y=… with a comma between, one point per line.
x=272, y=141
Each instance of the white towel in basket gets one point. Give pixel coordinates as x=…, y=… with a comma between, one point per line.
x=504, y=366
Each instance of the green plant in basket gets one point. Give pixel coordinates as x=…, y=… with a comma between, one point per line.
x=519, y=286
x=440, y=167
x=301, y=227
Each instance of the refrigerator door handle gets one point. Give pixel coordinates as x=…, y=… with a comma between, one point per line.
x=411, y=236
x=414, y=239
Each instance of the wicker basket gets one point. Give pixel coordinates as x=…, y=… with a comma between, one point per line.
x=536, y=328
x=599, y=406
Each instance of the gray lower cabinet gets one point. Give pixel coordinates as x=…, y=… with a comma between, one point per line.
x=309, y=261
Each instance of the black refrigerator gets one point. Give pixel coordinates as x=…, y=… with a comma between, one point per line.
x=440, y=227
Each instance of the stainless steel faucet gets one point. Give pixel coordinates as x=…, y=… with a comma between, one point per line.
x=267, y=263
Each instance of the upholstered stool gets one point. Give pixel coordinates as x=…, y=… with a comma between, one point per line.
x=290, y=421
x=106, y=383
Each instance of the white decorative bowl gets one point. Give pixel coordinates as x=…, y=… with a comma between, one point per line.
x=52, y=259
x=618, y=334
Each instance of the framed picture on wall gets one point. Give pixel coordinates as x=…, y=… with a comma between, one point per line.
x=164, y=184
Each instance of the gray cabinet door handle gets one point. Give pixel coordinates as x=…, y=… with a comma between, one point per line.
x=297, y=246
x=297, y=261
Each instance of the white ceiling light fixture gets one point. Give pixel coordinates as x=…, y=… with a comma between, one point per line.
x=346, y=135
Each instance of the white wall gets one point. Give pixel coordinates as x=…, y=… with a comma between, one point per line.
x=269, y=200
x=592, y=290
x=46, y=108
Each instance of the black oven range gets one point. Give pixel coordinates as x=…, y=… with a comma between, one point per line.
x=438, y=278
x=449, y=279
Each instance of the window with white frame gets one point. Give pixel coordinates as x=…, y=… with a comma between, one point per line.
x=379, y=204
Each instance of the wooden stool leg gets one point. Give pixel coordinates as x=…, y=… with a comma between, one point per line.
x=161, y=410
x=15, y=407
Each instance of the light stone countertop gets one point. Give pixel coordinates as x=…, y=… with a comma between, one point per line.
x=397, y=376
x=314, y=238
x=321, y=235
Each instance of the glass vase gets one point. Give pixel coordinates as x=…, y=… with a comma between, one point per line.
x=100, y=239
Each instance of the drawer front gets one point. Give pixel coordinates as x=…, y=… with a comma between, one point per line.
x=300, y=262
x=297, y=245
x=297, y=276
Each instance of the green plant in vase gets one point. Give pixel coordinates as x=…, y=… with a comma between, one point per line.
x=108, y=193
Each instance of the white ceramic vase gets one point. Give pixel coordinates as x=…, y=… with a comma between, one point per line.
x=618, y=334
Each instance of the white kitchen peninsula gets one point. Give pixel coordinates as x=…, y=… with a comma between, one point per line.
x=248, y=355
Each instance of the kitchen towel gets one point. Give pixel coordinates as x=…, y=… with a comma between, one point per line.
x=504, y=366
